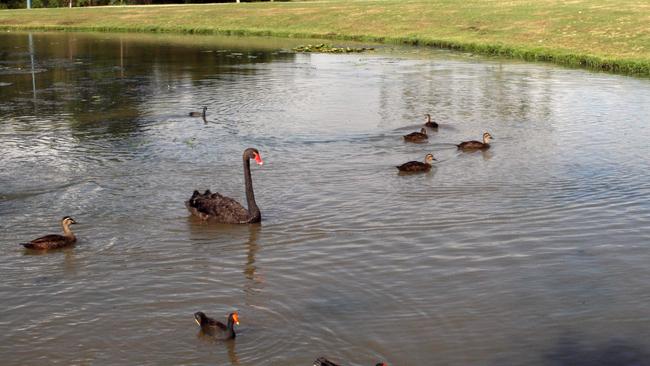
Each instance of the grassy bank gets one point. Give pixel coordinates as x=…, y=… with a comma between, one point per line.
x=611, y=35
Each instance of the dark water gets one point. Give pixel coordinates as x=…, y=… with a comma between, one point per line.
x=532, y=253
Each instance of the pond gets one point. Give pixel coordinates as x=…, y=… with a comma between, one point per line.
x=534, y=252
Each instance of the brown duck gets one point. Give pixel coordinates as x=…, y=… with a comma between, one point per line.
x=199, y=114
x=322, y=361
x=213, y=206
x=216, y=328
x=417, y=136
x=417, y=166
x=429, y=123
x=477, y=145
x=55, y=241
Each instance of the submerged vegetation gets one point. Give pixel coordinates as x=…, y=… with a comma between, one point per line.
x=610, y=35
x=328, y=48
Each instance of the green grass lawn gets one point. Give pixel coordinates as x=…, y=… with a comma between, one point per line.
x=611, y=35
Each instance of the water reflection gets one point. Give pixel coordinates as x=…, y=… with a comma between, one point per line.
x=351, y=259
x=574, y=351
x=255, y=280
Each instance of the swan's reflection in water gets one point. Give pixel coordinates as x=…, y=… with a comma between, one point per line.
x=254, y=281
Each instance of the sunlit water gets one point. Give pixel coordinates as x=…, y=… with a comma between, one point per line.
x=532, y=253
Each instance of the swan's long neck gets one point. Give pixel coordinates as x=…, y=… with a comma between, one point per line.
x=253, y=210
x=67, y=232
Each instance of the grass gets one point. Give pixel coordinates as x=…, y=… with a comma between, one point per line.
x=610, y=35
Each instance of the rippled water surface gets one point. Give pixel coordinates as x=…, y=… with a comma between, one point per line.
x=534, y=252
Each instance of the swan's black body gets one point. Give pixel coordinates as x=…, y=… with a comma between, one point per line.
x=214, y=206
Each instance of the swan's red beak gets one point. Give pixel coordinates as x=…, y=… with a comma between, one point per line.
x=258, y=159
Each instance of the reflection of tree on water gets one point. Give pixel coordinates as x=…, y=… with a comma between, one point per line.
x=107, y=85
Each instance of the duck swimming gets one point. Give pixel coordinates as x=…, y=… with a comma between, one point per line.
x=476, y=145
x=199, y=114
x=216, y=328
x=429, y=123
x=213, y=206
x=322, y=361
x=55, y=241
x=417, y=166
x=417, y=136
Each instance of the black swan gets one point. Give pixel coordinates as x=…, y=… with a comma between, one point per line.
x=55, y=241
x=199, y=114
x=223, y=209
x=416, y=136
x=417, y=166
x=429, y=122
x=476, y=145
x=322, y=361
x=216, y=328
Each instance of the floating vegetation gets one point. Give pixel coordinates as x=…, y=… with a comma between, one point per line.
x=327, y=48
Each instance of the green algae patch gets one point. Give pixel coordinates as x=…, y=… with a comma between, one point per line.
x=328, y=48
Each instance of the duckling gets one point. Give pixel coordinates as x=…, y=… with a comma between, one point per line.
x=55, y=241
x=216, y=328
x=430, y=123
x=322, y=361
x=417, y=166
x=199, y=114
x=476, y=145
x=417, y=136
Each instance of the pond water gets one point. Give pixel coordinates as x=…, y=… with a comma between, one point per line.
x=534, y=252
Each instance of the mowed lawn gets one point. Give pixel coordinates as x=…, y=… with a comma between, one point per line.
x=612, y=35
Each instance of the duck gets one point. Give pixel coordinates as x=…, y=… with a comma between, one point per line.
x=216, y=328
x=418, y=166
x=322, y=361
x=215, y=207
x=199, y=114
x=477, y=145
x=55, y=241
x=417, y=136
x=429, y=123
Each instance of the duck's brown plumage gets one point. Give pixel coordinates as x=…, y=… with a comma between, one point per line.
x=416, y=136
x=199, y=114
x=55, y=241
x=214, y=206
x=216, y=328
x=429, y=123
x=417, y=166
x=476, y=145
